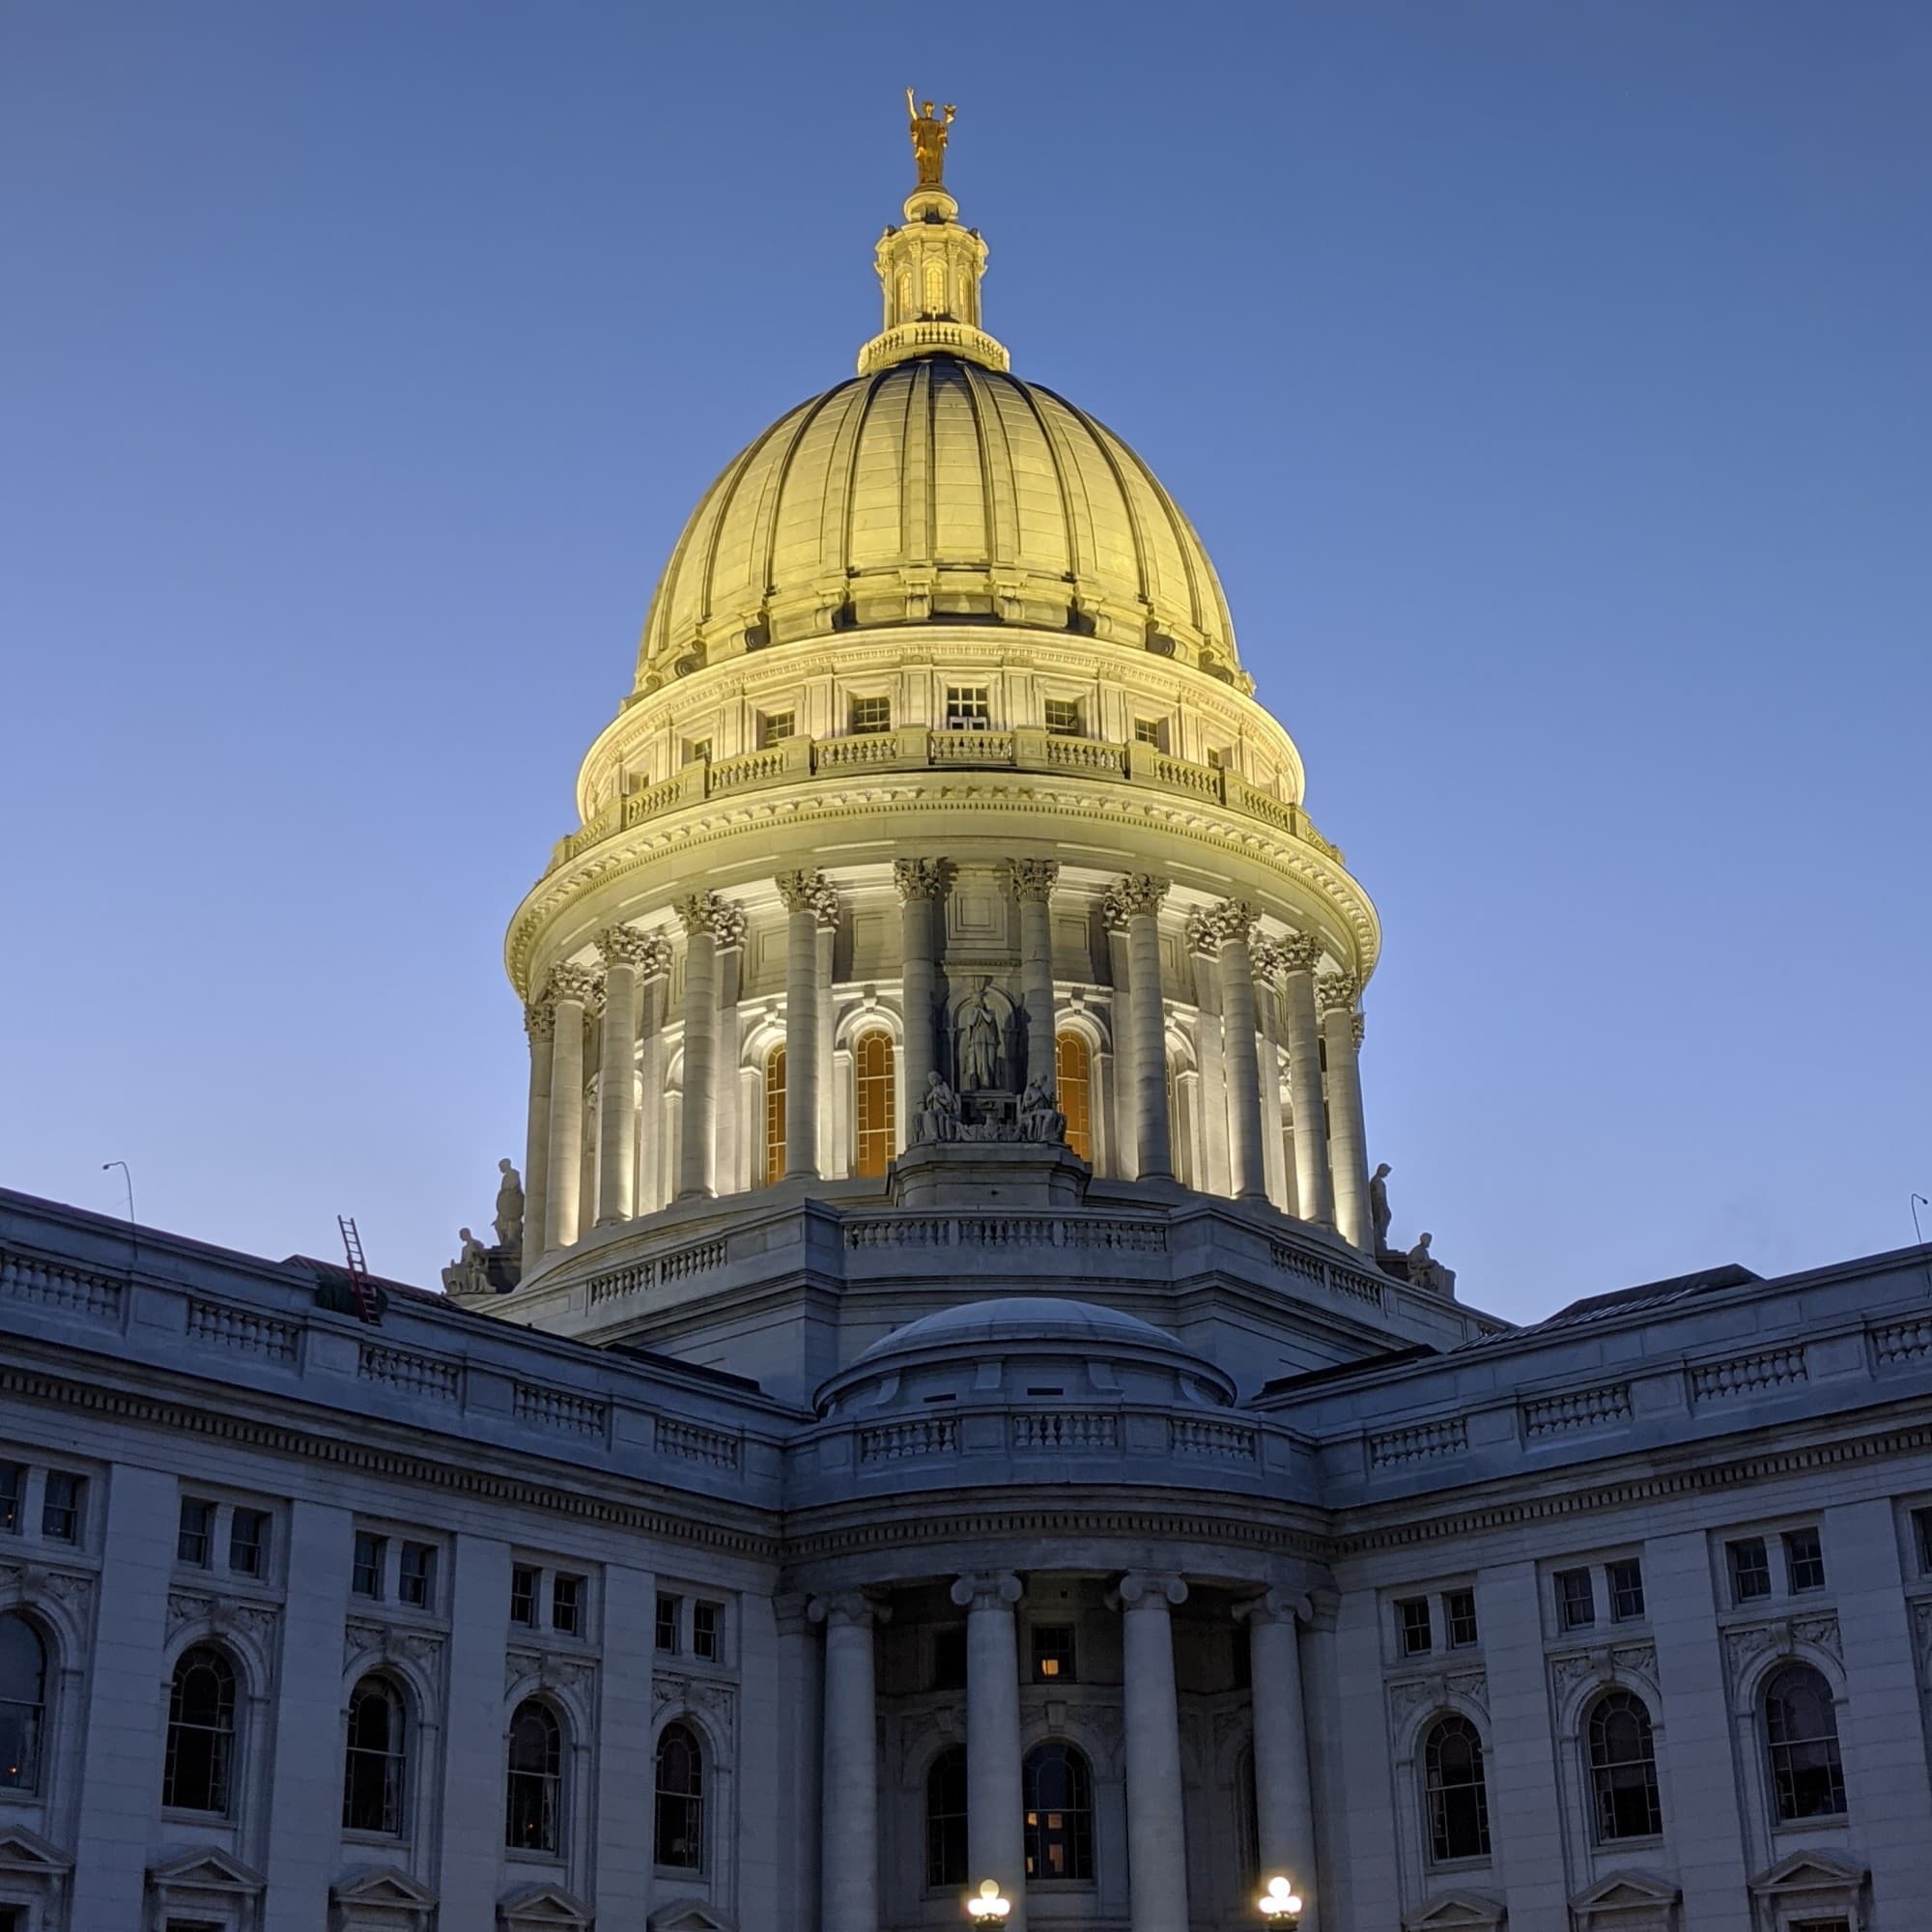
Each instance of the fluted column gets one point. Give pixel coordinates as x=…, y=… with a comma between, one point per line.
x=624, y=949
x=653, y=991
x=920, y=882
x=1283, y=1805
x=1347, y=1138
x=995, y=1834
x=540, y=1023
x=1033, y=886
x=1122, y=1093
x=571, y=988
x=1266, y=956
x=828, y=1106
x=1206, y=1095
x=1315, y=1196
x=1138, y=898
x=707, y=920
x=1156, y=1834
x=805, y=895
x=1235, y=921
x=849, y=1863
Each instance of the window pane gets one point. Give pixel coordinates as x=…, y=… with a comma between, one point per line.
x=1411, y=1626
x=13, y=1480
x=1460, y=1607
x=1072, y=1065
x=248, y=1542
x=195, y=1532
x=707, y=1630
x=945, y=1819
x=1802, y=1740
x=372, y=1776
x=1058, y=1793
x=59, y=1507
x=1459, y=1805
x=872, y=1068
x=566, y=1606
x=1623, y=1769
x=524, y=1595
x=534, y=1790
x=201, y=1732
x=1804, y=1559
x=1576, y=1600
x=367, y=1574
x=1751, y=1569
x=23, y=1675
x=680, y=1800
x=667, y=1622
x=1626, y=1580
x=775, y=1115
x=1053, y=1654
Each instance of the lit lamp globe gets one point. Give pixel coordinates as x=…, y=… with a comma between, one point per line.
x=1279, y=1905
x=986, y=1907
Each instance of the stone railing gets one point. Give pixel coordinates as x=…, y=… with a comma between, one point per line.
x=413, y=1374
x=245, y=1330
x=1583, y=1408
x=1121, y=1234
x=693, y=1442
x=78, y=1290
x=900, y=1441
x=1060, y=1429
x=1747, y=1375
x=915, y=747
x=1424, y=1442
x=550, y=1407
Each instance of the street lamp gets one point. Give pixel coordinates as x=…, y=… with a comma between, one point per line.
x=986, y=1907
x=1279, y=1906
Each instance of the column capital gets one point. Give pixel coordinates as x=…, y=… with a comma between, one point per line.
x=540, y=1019
x=1138, y=893
x=568, y=981
x=1145, y=1589
x=987, y=1590
x=809, y=892
x=706, y=912
x=1358, y=1026
x=1223, y=924
x=1033, y=878
x=1276, y=1606
x=1300, y=952
x=920, y=878
x=625, y=946
x=845, y=1608
x=1335, y=992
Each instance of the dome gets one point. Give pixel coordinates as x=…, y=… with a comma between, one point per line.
x=1021, y=1318
x=939, y=487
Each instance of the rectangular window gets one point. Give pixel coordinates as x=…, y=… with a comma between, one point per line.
x=1576, y=1600
x=13, y=1480
x=365, y=1576
x=566, y=1605
x=1751, y=1569
x=968, y=707
x=707, y=1631
x=60, y=1506
x=872, y=714
x=523, y=1596
x=1147, y=731
x=1053, y=1654
x=667, y=1622
x=1921, y=1529
x=777, y=727
x=1626, y=1580
x=1459, y=1606
x=949, y=1659
x=1804, y=1560
x=1412, y=1633
x=248, y=1542
x=1062, y=717
x=1215, y=759
x=195, y=1535
x=415, y=1576
x=697, y=752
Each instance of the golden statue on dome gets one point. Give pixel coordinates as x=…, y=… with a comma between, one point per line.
x=929, y=140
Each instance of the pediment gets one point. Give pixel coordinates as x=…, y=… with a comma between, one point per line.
x=1809, y=1871
x=691, y=1915
x=207, y=1869
x=1458, y=1912
x=536, y=1908
x=382, y=1884
x=26, y=1853
x=1626, y=1889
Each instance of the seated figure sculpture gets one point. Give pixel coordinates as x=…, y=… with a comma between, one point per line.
x=1041, y=1120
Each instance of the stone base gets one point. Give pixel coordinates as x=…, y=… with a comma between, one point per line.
x=975, y=1174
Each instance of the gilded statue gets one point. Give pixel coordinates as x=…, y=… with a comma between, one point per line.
x=929, y=140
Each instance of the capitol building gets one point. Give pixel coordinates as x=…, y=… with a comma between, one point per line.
x=944, y=1403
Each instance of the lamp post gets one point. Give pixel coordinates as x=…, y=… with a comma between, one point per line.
x=986, y=1907
x=1279, y=1905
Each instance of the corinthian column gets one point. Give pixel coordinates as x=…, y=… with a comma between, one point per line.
x=1138, y=898
x=1347, y=1139
x=540, y=1023
x=1234, y=924
x=624, y=949
x=849, y=1860
x=1033, y=886
x=804, y=894
x=995, y=1837
x=1314, y=1196
x=653, y=989
x=1284, y=1809
x=570, y=989
x=706, y=920
x=920, y=882
x=1156, y=1835
x=1265, y=955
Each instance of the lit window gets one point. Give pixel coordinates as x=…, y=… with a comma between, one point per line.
x=1576, y=1600
x=775, y=1115
x=372, y=1771
x=1053, y=1654
x=566, y=1606
x=1411, y=1626
x=365, y=1576
x=533, y=1795
x=1072, y=1065
x=1458, y=1793
x=415, y=1581
x=195, y=1536
x=248, y=1542
x=1751, y=1569
x=1625, y=1582
x=1062, y=717
x=523, y=1596
x=1623, y=1769
x=13, y=1480
x=707, y=1630
x=775, y=726
x=1147, y=731
x=680, y=1800
x=23, y=1695
x=667, y=1622
x=872, y=714
x=873, y=1070
x=968, y=707
x=1804, y=1560
x=60, y=1506
x=1800, y=1729
x=201, y=1732
x=1459, y=1610
x=1057, y=1790
x=945, y=1812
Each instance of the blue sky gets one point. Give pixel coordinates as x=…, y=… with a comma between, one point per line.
x=1549, y=384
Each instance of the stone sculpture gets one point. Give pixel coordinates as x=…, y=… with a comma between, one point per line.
x=979, y=1045
x=469, y=1273
x=1379, y=1205
x=1041, y=1120
x=1426, y=1271
x=929, y=135
x=509, y=1207
x=938, y=1116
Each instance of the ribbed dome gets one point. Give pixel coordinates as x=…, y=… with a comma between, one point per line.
x=938, y=488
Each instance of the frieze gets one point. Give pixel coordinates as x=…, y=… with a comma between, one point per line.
x=548, y=1671
x=1407, y=1696
x=35, y=1582
x=1602, y=1664
x=254, y=1623
x=366, y=1642
x=1745, y=1644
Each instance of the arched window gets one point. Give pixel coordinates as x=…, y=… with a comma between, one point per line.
x=373, y=1768
x=1057, y=1790
x=680, y=1799
x=533, y=1798
x=946, y=1818
x=201, y=1732
x=1623, y=1769
x=935, y=288
x=872, y=1068
x=23, y=1702
x=1800, y=1731
x=1072, y=1065
x=1458, y=1800
x=775, y=1115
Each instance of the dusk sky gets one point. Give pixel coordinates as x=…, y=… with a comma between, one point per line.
x=1550, y=384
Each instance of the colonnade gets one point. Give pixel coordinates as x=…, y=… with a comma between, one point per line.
x=1156, y=1834
x=1255, y=998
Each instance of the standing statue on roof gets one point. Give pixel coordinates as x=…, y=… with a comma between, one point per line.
x=509, y=1207
x=1379, y=1205
x=929, y=140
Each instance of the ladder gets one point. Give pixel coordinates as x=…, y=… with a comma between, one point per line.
x=360, y=1286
